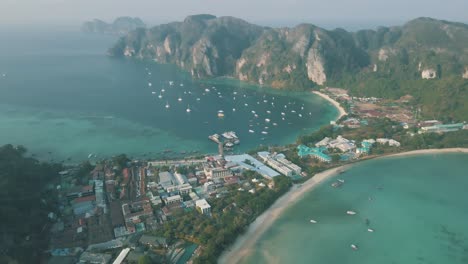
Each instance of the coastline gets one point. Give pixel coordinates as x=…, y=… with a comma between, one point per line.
x=341, y=110
x=245, y=244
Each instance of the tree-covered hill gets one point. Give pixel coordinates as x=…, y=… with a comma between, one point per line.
x=27, y=196
x=387, y=62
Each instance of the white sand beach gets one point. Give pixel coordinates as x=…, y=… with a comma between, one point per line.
x=245, y=244
x=341, y=110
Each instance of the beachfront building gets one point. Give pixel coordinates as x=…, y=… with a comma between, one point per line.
x=441, y=128
x=317, y=153
x=341, y=143
x=390, y=142
x=280, y=163
x=203, y=206
x=365, y=148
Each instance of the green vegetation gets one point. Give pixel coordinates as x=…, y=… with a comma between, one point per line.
x=385, y=63
x=231, y=215
x=28, y=195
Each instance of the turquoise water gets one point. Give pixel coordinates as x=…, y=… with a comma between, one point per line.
x=63, y=98
x=419, y=215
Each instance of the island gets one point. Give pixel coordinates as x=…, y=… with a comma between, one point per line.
x=120, y=26
x=195, y=208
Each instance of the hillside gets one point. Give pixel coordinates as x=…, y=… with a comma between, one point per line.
x=121, y=26
x=387, y=62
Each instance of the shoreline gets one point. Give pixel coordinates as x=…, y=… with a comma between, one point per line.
x=341, y=110
x=245, y=244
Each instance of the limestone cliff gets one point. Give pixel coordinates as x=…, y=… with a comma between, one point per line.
x=305, y=55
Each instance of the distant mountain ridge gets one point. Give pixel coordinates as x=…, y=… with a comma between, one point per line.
x=378, y=62
x=121, y=26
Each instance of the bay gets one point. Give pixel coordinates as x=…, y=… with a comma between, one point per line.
x=416, y=206
x=63, y=98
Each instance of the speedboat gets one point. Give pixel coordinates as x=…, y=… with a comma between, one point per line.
x=275, y=124
x=150, y=84
x=233, y=109
x=153, y=92
x=370, y=230
x=251, y=131
x=167, y=105
x=207, y=90
x=171, y=83
x=253, y=112
x=264, y=133
x=313, y=221
x=246, y=104
x=163, y=90
x=268, y=112
x=198, y=99
x=181, y=84
x=267, y=120
x=188, y=110
x=220, y=113
x=351, y=212
x=159, y=96
x=283, y=114
x=180, y=99
x=341, y=180
x=354, y=247
x=300, y=115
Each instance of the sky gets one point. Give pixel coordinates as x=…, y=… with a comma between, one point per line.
x=350, y=14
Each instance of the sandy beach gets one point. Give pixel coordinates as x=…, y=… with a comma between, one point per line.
x=245, y=244
x=341, y=110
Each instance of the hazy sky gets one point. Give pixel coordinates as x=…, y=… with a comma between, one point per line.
x=276, y=12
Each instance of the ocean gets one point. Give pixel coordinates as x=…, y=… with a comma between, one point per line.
x=416, y=206
x=63, y=98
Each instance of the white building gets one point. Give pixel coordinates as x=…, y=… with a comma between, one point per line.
x=173, y=199
x=280, y=163
x=203, y=206
x=323, y=143
x=184, y=188
x=391, y=142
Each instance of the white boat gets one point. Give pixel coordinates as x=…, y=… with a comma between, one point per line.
x=207, y=90
x=255, y=115
x=351, y=212
x=251, y=131
x=90, y=155
x=198, y=99
x=253, y=112
x=341, y=180
x=293, y=111
x=153, y=92
x=300, y=115
x=264, y=133
x=275, y=124
x=268, y=112
x=171, y=83
x=267, y=120
x=246, y=104
x=180, y=99
x=229, y=145
x=188, y=110
x=313, y=221
x=354, y=247
x=282, y=118
x=220, y=113
x=214, y=137
x=370, y=230
x=167, y=105
x=150, y=84
x=234, y=93
x=283, y=114
x=181, y=84
x=149, y=73
x=233, y=109
x=265, y=101
x=159, y=96
x=163, y=90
